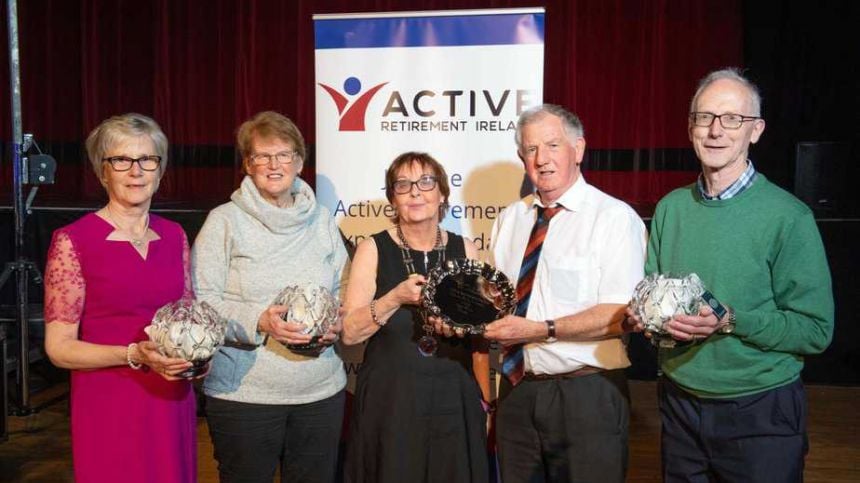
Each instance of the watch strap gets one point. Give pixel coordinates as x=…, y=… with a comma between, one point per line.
x=550, y=328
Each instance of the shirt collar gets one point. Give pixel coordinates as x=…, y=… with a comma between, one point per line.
x=739, y=186
x=570, y=200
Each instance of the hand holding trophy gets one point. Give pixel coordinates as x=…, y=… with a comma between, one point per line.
x=658, y=298
x=313, y=307
x=190, y=330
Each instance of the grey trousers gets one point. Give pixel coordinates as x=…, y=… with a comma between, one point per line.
x=565, y=430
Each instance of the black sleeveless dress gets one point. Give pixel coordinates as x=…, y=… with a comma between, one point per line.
x=415, y=419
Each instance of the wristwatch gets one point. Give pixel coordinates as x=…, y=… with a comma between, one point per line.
x=730, y=325
x=550, y=327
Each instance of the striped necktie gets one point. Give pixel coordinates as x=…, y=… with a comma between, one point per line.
x=512, y=360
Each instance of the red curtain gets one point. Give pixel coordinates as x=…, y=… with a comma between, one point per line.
x=200, y=68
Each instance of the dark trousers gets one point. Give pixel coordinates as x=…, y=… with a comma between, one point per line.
x=756, y=438
x=251, y=439
x=565, y=430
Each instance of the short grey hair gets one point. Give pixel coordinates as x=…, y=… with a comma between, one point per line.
x=117, y=129
x=730, y=73
x=572, y=125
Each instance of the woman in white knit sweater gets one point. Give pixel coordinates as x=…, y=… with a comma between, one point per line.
x=266, y=405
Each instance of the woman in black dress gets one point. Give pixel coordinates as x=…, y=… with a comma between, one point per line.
x=417, y=414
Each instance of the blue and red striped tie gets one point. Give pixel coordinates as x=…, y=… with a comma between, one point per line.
x=512, y=359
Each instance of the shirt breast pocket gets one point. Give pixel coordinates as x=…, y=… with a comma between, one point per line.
x=571, y=280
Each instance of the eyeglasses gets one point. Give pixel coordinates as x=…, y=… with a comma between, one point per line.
x=424, y=183
x=263, y=159
x=728, y=121
x=124, y=163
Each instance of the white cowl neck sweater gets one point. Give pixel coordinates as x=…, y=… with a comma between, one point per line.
x=247, y=251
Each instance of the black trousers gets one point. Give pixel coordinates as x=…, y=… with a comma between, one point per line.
x=252, y=439
x=565, y=430
x=756, y=438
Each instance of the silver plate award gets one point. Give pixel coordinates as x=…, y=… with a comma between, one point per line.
x=657, y=298
x=190, y=330
x=468, y=294
x=312, y=306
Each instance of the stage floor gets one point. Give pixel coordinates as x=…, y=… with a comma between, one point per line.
x=38, y=449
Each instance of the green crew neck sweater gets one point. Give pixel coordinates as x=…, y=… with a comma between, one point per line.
x=761, y=254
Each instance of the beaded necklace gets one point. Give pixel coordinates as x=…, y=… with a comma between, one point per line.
x=427, y=344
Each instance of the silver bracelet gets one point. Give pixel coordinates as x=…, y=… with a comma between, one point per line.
x=134, y=365
x=373, y=314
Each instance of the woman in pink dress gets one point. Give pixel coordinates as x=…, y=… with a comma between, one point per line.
x=132, y=419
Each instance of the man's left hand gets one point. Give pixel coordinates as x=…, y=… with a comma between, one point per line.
x=694, y=327
x=511, y=330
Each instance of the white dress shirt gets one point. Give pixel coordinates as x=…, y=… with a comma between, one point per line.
x=593, y=253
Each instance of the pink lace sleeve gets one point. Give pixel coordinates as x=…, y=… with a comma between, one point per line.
x=65, y=287
x=186, y=267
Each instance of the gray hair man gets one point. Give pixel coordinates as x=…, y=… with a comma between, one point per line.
x=575, y=254
x=732, y=404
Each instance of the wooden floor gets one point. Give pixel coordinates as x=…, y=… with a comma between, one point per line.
x=38, y=445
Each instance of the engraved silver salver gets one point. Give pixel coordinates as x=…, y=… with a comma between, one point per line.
x=657, y=298
x=188, y=329
x=312, y=306
x=468, y=294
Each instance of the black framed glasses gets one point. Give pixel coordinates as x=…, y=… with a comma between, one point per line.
x=728, y=120
x=424, y=183
x=263, y=159
x=124, y=163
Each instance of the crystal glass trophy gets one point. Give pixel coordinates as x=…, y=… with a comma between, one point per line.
x=312, y=306
x=657, y=298
x=190, y=330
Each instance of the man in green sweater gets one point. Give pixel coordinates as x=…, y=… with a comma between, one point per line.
x=732, y=404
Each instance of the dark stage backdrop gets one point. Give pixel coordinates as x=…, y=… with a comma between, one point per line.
x=202, y=67
x=627, y=67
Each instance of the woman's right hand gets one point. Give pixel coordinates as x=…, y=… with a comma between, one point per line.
x=408, y=292
x=272, y=323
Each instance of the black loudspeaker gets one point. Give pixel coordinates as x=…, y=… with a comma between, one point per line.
x=824, y=173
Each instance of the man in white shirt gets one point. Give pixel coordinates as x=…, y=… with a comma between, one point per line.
x=575, y=255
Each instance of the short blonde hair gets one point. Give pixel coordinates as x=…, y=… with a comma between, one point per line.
x=117, y=129
x=269, y=124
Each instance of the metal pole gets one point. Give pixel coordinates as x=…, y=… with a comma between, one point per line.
x=19, y=175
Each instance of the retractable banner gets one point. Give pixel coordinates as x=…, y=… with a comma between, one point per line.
x=449, y=83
